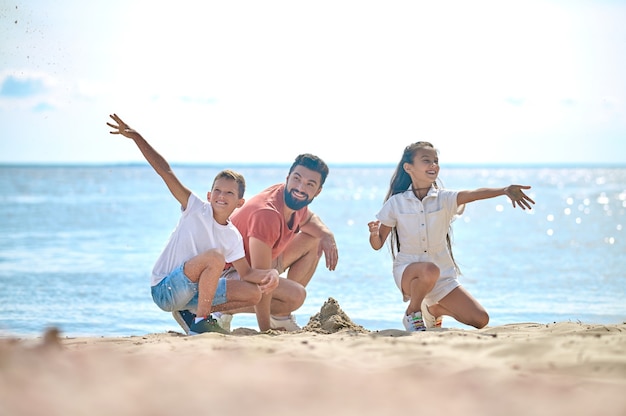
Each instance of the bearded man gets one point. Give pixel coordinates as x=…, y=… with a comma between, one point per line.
x=280, y=232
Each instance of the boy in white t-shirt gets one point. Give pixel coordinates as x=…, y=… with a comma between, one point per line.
x=187, y=275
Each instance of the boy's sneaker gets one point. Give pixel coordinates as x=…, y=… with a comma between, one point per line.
x=286, y=324
x=209, y=324
x=429, y=319
x=223, y=320
x=414, y=322
x=185, y=319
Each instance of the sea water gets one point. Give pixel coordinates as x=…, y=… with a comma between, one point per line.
x=78, y=244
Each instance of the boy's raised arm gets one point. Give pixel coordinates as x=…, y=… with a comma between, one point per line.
x=158, y=162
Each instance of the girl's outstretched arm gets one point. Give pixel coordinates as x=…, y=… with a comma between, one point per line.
x=514, y=192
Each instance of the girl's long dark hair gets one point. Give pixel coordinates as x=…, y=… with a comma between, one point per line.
x=401, y=182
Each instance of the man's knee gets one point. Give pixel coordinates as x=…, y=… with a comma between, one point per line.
x=300, y=295
x=292, y=293
x=315, y=249
x=303, y=246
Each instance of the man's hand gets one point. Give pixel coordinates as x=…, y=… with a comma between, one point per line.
x=329, y=247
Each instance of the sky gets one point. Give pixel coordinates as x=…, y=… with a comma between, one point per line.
x=487, y=82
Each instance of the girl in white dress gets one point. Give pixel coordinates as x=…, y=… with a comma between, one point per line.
x=417, y=213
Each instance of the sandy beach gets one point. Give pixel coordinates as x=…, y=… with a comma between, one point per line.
x=333, y=365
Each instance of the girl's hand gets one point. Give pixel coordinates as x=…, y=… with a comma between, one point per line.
x=374, y=226
x=376, y=239
x=518, y=197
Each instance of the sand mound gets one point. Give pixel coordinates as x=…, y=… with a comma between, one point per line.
x=331, y=319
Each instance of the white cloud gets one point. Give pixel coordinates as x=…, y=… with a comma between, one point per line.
x=25, y=83
x=27, y=90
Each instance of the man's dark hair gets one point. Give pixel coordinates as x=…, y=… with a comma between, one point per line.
x=312, y=162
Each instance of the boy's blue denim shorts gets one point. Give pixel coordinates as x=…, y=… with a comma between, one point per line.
x=176, y=292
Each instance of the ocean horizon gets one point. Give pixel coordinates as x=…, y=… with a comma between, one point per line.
x=222, y=165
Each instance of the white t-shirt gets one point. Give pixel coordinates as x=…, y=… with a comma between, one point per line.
x=196, y=232
x=422, y=227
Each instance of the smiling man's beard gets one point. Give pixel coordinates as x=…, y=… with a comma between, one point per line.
x=295, y=204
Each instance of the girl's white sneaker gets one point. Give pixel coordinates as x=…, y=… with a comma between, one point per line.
x=414, y=322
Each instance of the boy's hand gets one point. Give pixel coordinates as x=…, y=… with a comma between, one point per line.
x=269, y=282
x=121, y=127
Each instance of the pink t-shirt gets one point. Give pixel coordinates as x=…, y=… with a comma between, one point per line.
x=262, y=217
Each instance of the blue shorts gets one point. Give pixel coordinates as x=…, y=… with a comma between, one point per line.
x=176, y=292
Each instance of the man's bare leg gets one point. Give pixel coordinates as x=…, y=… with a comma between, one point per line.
x=239, y=295
x=286, y=298
x=301, y=257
